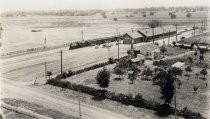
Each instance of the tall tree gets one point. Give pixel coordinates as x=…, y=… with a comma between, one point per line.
x=195, y=54
x=188, y=70
x=163, y=49
x=119, y=71
x=204, y=72
x=167, y=89
x=102, y=78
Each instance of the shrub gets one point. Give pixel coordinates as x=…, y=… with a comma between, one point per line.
x=102, y=78
x=111, y=60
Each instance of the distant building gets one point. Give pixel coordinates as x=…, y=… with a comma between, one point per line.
x=135, y=36
x=159, y=32
x=150, y=51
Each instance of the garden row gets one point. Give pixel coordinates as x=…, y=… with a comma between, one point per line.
x=127, y=99
x=71, y=73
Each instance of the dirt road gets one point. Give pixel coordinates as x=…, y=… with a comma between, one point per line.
x=67, y=106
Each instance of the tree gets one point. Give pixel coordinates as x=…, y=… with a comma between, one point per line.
x=49, y=73
x=115, y=19
x=160, y=75
x=202, y=52
x=188, y=15
x=188, y=70
x=155, y=23
x=195, y=88
x=167, y=89
x=174, y=43
x=147, y=72
x=144, y=15
x=123, y=63
x=190, y=59
x=197, y=75
x=176, y=71
x=203, y=72
x=173, y=16
x=195, y=54
x=102, y=78
x=163, y=49
x=119, y=71
x=151, y=13
x=201, y=58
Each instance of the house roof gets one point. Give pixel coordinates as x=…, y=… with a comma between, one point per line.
x=178, y=64
x=148, y=48
x=133, y=35
x=157, y=30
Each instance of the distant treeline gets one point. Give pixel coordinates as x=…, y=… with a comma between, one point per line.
x=54, y=13
x=102, y=12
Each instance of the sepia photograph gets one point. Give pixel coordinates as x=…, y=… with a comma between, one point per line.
x=104, y=59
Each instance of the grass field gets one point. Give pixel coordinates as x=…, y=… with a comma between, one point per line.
x=35, y=108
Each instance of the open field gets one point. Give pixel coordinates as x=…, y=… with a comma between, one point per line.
x=17, y=35
x=37, y=108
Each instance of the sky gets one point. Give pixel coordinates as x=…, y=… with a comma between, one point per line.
x=14, y=5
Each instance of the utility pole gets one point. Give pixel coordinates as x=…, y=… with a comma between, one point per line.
x=45, y=42
x=118, y=47
x=132, y=44
x=163, y=37
x=176, y=32
x=202, y=26
x=45, y=70
x=82, y=35
x=168, y=37
x=80, y=114
x=194, y=30
x=61, y=61
x=153, y=40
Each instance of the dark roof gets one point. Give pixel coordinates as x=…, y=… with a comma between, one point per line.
x=157, y=30
x=148, y=48
x=133, y=35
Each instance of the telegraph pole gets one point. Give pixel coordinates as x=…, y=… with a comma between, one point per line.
x=82, y=35
x=45, y=69
x=80, y=114
x=176, y=32
x=168, y=37
x=61, y=61
x=153, y=40
x=132, y=40
x=194, y=30
x=118, y=47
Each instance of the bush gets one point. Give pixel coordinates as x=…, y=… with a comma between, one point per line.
x=111, y=60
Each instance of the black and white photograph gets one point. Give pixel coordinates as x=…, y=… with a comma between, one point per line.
x=104, y=59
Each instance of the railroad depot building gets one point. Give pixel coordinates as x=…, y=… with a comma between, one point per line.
x=148, y=34
x=135, y=36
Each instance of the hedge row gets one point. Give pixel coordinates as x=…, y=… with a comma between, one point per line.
x=95, y=66
x=127, y=99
